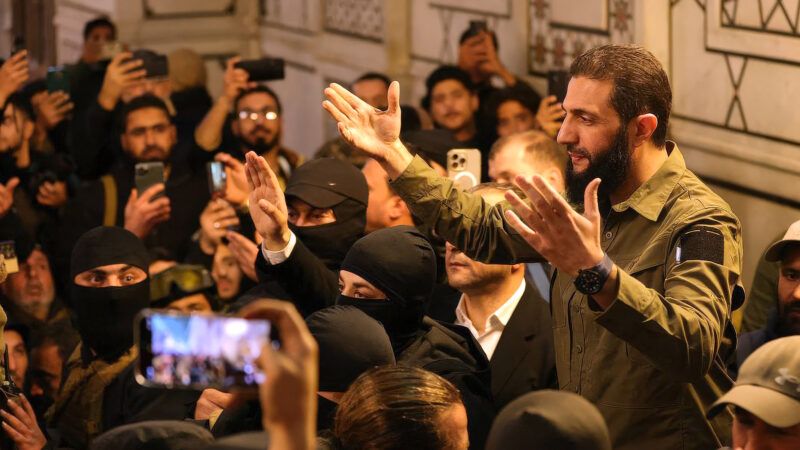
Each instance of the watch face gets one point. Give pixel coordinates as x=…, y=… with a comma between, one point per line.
x=589, y=282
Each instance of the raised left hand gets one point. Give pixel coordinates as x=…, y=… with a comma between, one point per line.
x=567, y=239
x=19, y=423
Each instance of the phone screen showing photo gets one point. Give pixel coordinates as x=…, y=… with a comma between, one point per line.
x=198, y=351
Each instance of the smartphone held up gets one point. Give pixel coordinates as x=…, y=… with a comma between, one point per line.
x=197, y=351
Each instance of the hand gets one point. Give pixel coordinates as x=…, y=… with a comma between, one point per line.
x=53, y=108
x=549, y=115
x=19, y=423
x=142, y=214
x=217, y=216
x=7, y=195
x=52, y=194
x=267, y=203
x=375, y=132
x=211, y=402
x=492, y=65
x=236, y=189
x=122, y=72
x=245, y=251
x=568, y=240
x=13, y=74
x=235, y=80
x=289, y=392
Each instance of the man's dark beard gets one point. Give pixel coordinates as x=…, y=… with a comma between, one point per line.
x=611, y=166
x=260, y=144
x=787, y=326
x=154, y=153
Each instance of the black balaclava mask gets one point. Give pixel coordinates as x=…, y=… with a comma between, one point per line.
x=105, y=315
x=400, y=262
x=331, y=241
x=339, y=185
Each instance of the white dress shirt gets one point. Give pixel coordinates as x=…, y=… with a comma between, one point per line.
x=495, y=324
x=275, y=258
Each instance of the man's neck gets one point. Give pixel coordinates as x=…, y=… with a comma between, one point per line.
x=645, y=162
x=480, y=303
x=466, y=133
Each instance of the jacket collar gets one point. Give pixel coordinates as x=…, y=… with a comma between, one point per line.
x=649, y=199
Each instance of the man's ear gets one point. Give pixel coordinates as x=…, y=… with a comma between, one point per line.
x=646, y=125
x=474, y=101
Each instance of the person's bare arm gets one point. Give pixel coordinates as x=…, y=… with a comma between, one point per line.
x=208, y=134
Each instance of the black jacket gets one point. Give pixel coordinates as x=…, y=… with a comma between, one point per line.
x=524, y=359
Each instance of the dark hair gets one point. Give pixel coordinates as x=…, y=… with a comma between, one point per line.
x=374, y=76
x=142, y=102
x=396, y=407
x=640, y=84
x=22, y=104
x=99, y=23
x=443, y=73
x=525, y=98
x=263, y=88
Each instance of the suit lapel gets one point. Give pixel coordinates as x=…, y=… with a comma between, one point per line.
x=513, y=345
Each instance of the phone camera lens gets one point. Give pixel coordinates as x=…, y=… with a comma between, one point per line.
x=462, y=161
x=455, y=165
x=455, y=157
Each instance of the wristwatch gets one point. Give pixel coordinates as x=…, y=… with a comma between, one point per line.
x=591, y=281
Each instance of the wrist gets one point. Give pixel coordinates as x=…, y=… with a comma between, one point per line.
x=225, y=102
x=396, y=159
x=107, y=100
x=277, y=242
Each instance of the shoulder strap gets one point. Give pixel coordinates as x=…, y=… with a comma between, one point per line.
x=110, y=190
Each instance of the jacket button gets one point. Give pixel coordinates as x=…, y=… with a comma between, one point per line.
x=609, y=235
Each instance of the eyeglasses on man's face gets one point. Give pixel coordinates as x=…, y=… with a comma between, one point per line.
x=268, y=115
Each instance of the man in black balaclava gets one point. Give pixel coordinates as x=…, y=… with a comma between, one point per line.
x=109, y=285
x=307, y=230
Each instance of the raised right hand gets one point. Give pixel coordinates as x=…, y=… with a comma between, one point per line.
x=142, y=215
x=375, y=132
x=549, y=115
x=235, y=80
x=267, y=203
x=122, y=72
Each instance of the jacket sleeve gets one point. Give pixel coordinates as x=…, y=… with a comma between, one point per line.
x=682, y=330
x=309, y=283
x=465, y=220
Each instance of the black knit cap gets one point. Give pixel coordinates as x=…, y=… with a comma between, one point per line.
x=102, y=246
x=325, y=182
x=398, y=260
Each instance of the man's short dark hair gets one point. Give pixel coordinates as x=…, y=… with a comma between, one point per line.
x=99, y=22
x=142, y=102
x=640, y=84
x=22, y=104
x=444, y=73
x=374, y=76
x=263, y=88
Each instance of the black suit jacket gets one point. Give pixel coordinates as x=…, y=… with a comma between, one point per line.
x=524, y=359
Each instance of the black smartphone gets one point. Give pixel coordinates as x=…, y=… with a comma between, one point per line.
x=149, y=174
x=217, y=178
x=57, y=79
x=197, y=351
x=264, y=69
x=155, y=64
x=476, y=27
x=18, y=45
x=557, y=82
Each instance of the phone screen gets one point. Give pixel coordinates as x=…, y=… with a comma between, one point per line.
x=197, y=351
x=217, y=178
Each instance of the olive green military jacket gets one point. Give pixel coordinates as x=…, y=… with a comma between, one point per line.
x=653, y=361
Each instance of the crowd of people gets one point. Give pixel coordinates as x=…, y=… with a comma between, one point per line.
x=579, y=297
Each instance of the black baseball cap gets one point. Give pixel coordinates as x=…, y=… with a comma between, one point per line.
x=326, y=182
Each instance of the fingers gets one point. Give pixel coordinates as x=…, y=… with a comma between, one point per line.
x=28, y=407
x=252, y=172
x=12, y=433
x=394, y=98
x=591, y=209
x=558, y=204
x=530, y=216
x=231, y=62
x=152, y=191
x=293, y=332
x=339, y=102
x=269, y=209
x=229, y=161
x=349, y=97
x=334, y=112
x=539, y=214
x=267, y=175
x=530, y=236
x=12, y=184
x=11, y=417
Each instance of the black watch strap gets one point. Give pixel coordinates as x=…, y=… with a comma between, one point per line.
x=591, y=281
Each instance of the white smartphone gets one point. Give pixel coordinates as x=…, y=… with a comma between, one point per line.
x=464, y=167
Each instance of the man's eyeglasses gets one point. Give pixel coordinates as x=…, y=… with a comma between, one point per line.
x=254, y=116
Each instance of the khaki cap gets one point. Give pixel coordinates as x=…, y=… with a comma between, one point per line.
x=769, y=384
x=792, y=236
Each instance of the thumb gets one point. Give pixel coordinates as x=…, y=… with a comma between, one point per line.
x=134, y=196
x=12, y=184
x=394, y=98
x=591, y=210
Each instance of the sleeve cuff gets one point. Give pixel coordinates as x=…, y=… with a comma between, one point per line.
x=280, y=256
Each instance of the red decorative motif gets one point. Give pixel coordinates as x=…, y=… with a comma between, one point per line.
x=559, y=52
x=621, y=14
x=540, y=8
